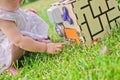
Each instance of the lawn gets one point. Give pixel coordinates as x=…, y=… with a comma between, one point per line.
x=74, y=63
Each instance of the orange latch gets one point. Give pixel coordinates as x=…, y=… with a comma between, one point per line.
x=72, y=34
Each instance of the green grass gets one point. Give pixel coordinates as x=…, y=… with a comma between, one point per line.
x=74, y=63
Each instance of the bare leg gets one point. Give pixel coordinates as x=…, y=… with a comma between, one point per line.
x=16, y=54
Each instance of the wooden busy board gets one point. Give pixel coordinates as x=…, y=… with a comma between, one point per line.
x=92, y=19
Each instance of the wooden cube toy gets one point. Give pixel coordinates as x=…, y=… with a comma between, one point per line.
x=84, y=20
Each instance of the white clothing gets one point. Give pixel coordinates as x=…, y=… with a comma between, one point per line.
x=29, y=24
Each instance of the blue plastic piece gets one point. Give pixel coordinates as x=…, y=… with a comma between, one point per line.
x=66, y=16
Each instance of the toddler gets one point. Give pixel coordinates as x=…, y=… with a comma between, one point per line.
x=22, y=31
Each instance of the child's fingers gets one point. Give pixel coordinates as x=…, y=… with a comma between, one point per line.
x=53, y=48
x=59, y=47
x=62, y=44
x=58, y=50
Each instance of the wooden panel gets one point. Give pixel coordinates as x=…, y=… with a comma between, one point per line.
x=92, y=18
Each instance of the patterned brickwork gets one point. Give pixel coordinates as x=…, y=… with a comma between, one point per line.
x=96, y=17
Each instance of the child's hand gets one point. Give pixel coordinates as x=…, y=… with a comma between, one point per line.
x=53, y=48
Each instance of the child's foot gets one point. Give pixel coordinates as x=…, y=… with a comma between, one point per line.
x=13, y=71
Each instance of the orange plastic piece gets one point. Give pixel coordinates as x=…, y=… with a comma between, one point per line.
x=95, y=41
x=72, y=34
